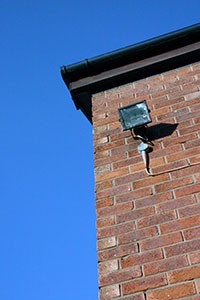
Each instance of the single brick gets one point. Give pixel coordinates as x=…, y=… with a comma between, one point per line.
x=173, y=292
x=180, y=224
x=109, y=146
x=177, y=203
x=135, y=214
x=128, y=178
x=119, y=276
x=198, y=285
x=165, y=265
x=195, y=257
x=113, y=191
x=137, y=235
x=138, y=194
x=106, y=243
x=144, y=284
x=160, y=241
x=103, y=185
x=117, y=252
x=109, y=292
x=150, y=180
x=189, y=210
x=115, y=230
x=105, y=202
x=182, y=248
x=157, y=219
x=107, y=221
x=155, y=199
x=115, y=209
x=184, y=274
x=105, y=157
x=169, y=167
x=173, y=184
x=181, y=139
x=111, y=174
x=141, y=258
x=182, y=154
x=192, y=233
x=108, y=266
x=135, y=297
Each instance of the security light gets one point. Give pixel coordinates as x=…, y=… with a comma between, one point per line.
x=134, y=115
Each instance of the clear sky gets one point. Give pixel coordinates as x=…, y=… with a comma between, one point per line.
x=47, y=203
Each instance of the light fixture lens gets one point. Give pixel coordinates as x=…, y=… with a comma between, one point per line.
x=134, y=115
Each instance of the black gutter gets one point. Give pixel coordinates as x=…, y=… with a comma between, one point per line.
x=89, y=68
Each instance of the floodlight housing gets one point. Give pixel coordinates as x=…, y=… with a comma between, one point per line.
x=134, y=115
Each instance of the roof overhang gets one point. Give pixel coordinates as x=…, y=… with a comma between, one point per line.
x=129, y=64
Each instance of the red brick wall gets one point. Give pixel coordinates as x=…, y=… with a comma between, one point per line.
x=148, y=227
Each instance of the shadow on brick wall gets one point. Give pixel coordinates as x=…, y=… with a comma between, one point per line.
x=161, y=130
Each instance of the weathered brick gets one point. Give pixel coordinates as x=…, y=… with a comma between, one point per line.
x=184, y=274
x=139, y=166
x=107, y=159
x=141, y=193
x=102, y=140
x=150, y=180
x=155, y=199
x=104, y=202
x=165, y=265
x=173, y=292
x=170, y=167
x=189, y=129
x=124, y=163
x=107, y=221
x=104, y=185
x=135, y=214
x=113, y=191
x=99, y=155
x=192, y=233
x=180, y=139
x=109, y=292
x=180, y=224
x=182, y=154
x=198, y=285
x=141, y=258
x=195, y=257
x=191, y=96
x=128, y=178
x=175, y=204
x=191, y=144
x=194, y=188
x=117, y=252
x=115, y=230
x=111, y=174
x=115, y=209
x=137, y=235
x=160, y=241
x=189, y=210
x=173, y=184
x=108, y=266
x=182, y=248
x=189, y=170
x=140, y=296
x=119, y=276
x=156, y=219
x=106, y=243
x=144, y=284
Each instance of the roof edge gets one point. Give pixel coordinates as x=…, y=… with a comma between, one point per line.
x=89, y=68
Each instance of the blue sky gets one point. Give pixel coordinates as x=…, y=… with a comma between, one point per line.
x=47, y=212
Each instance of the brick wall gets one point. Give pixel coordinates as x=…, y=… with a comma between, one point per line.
x=148, y=227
